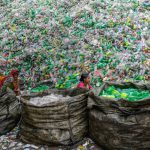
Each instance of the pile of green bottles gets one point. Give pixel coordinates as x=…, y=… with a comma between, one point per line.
x=57, y=39
x=40, y=88
x=69, y=81
x=130, y=94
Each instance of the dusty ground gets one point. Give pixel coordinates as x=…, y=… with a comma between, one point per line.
x=10, y=141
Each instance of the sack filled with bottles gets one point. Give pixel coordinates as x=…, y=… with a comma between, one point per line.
x=54, y=117
x=119, y=116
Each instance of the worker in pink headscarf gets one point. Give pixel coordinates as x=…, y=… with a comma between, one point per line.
x=10, y=81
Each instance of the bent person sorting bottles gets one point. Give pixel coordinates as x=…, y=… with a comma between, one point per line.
x=11, y=81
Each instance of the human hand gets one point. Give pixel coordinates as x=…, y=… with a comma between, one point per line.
x=17, y=91
x=109, y=73
x=98, y=73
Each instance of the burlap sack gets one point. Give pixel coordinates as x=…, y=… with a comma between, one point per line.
x=9, y=112
x=120, y=125
x=61, y=122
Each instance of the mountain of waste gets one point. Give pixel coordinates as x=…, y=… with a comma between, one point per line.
x=60, y=39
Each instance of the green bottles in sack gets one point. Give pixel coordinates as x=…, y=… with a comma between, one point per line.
x=40, y=89
x=130, y=94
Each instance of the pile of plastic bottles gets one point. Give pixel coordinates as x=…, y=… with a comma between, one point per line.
x=59, y=40
x=131, y=94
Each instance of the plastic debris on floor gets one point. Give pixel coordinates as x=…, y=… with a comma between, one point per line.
x=10, y=141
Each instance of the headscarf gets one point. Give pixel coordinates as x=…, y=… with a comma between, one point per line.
x=84, y=76
x=12, y=73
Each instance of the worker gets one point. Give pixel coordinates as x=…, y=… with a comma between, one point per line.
x=85, y=81
x=10, y=81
